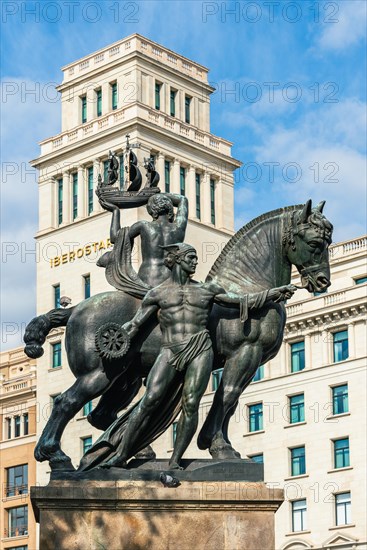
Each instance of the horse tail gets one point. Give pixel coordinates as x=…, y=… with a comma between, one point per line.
x=37, y=330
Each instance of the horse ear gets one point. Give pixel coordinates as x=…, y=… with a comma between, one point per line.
x=320, y=206
x=306, y=211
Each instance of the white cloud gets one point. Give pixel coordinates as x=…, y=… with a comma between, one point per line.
x=350, y=27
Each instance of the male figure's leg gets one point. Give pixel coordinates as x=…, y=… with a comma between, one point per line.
x=196, y=381
x=160, y=378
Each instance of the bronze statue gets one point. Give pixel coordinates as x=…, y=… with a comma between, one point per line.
x=257, y=258
x=185, y=358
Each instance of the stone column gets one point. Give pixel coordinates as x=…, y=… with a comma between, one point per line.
x=191, y=191
x=66, y=205
x=308, y=351
x=81, y=192
x=159, y=166
x=325, y=345
x=175, y=180
x=96, y=171
x=351, y=340
x=205, y=199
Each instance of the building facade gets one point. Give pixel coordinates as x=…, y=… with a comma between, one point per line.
x=162, y=101
x=304, y=414
x=18, y=418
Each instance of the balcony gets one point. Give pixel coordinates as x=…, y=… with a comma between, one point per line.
x=133, y=111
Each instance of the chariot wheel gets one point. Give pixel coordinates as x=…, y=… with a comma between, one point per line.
x=112, y=341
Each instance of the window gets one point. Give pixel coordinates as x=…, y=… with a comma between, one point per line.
x=321, y=292
x=259, y=374
x=360, y=280
x=84, y=108
x=90, y=190
x=87, y=409
x=167, y=176
x=56, y=296
x=99, y=102
x=75, y=195
x=212, y=201
x=256, y=417
x=216, y=378
x=87, y=443
x=122, y=172
x=340, y=344
x=59, y=199
x=8, y=427
x=296, y=408
x=257, y=458
x=187, y=108
x=197, y=195
x=25, y=424
x=18, y=521
x=298, y=356
x=114, y=95
x=105, y=170
x=343, y=509
x=174, y=433
x=86, y=286
x=298, y=461
x=341, y=453
x=56, y=355
x=299, y=515
x=172, y=102
x=158, y=87
x=16, y=480
x=182, y=180
x=16, y=426
x=18, y=548
x=340, y=399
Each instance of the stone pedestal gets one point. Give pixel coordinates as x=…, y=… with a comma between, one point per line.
x=144, y=515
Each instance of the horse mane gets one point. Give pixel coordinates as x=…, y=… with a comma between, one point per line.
x=255, y=259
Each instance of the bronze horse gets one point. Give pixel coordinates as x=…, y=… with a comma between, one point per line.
x=258, y=257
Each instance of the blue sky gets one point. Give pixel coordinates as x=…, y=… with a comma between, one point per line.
x=290, y=93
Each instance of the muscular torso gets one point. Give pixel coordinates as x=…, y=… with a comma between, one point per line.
x=183, y=310
x=153, y=236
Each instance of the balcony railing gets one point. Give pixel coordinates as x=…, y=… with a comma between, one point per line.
x=18, y=531
x=129, y=112
x=15, y=490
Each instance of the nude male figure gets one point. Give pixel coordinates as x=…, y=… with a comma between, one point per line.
x=164, y=229
x=183, y=308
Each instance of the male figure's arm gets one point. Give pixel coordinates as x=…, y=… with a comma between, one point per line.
x=230, y=299
x=148, y=306
x=182, y=213
x=115, y=221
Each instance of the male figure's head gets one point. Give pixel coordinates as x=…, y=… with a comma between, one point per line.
x=159, y=205
x=183, y=255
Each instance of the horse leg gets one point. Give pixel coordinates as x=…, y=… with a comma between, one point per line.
x=65, y=407
x=237, y=374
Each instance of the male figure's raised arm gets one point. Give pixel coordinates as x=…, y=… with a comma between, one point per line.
x=115, y=221
x=182, y=213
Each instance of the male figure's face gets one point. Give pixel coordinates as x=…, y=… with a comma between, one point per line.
x=189, y=262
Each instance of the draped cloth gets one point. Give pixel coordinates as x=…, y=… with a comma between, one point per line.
x=119, y=272
x=106, y=446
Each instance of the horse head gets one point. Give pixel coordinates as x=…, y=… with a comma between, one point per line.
x=306, y=241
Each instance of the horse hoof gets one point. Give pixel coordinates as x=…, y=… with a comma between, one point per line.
x=203, y=442
x=147, y=453
x=224, y=452
x=64, y=465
